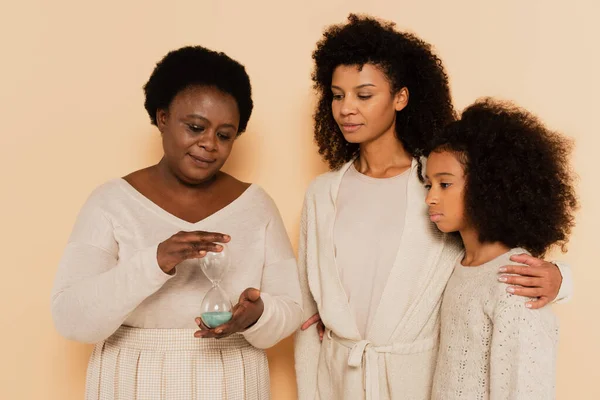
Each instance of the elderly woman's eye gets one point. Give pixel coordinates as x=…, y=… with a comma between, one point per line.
x=195, y=128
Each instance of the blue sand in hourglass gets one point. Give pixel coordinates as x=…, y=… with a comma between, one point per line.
x=214, y=319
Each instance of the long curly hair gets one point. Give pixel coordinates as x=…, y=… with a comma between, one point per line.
x=406, y=60
x=519, y=184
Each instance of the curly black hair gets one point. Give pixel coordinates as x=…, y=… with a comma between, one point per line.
x=407, y=62
x=519, y=185
x=196, y=65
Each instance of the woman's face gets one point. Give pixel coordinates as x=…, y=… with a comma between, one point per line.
x=363, y=104
x=198, y=131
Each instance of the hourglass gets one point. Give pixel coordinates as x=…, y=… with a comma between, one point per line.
x=215, y=307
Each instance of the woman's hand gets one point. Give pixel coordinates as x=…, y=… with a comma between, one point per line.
x=538, y=278
x=245, y=314
x=186, y=245
x=315, y=319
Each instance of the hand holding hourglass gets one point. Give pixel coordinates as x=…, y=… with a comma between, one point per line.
x=218, y=318
x=188, y=245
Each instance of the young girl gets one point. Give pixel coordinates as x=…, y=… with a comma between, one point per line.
x=372, y=266
x=501, y=180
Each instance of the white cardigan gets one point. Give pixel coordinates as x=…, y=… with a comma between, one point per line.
x=398, y=357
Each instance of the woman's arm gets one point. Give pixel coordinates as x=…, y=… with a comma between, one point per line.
x=280, y=289
x=94, y=291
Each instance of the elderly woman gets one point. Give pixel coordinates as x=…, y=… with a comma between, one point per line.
x=129, y=279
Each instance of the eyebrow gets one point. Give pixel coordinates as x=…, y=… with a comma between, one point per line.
x=357, y=87
x=440, y=174
x=198, y=116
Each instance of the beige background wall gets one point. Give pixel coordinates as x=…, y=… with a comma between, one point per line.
x=71, y=112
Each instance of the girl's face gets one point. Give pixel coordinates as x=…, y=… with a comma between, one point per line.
x=445, y=183
x=363, y=104
x=198, y=131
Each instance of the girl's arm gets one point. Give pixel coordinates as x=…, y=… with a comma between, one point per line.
x=523, y=353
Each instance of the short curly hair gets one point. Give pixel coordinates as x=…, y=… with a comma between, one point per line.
x=196, y=65
x=407, y=62
x=519, y=184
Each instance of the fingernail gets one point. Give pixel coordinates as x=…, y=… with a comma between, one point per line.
x=197, y=321
x=196, y=334
x=227, y=237
x=219, y=247
x=502, y=269
x=219, y=331
x=502, y=279
x=510, y=289
x=202, y=253
x=528, y=305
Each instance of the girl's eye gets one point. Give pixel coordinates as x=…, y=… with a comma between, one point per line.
x=364, y=96
x=223, y=136
x=445, y=185
x=428, y=186
x=338, y=96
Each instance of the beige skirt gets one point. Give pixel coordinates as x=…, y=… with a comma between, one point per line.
x=171, y=364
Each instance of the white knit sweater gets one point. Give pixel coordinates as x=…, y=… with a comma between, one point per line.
x=491, y=345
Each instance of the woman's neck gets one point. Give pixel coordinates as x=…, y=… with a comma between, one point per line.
x=173, y=183
x=383, y=157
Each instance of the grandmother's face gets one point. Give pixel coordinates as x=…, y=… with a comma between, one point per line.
x=198, y=131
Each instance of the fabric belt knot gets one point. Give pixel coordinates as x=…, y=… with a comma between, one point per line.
x=357, y=353
x=364, y=354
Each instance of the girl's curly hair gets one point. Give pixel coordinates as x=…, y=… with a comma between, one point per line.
x=519, y=184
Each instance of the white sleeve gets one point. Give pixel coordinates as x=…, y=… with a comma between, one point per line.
x=280, y=289
x=566, y=288
x=94, y=291
x=523, y=354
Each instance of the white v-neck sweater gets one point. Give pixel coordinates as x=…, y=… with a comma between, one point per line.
x=109, y=275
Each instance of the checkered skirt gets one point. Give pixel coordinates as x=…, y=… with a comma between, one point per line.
x=171, y=364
